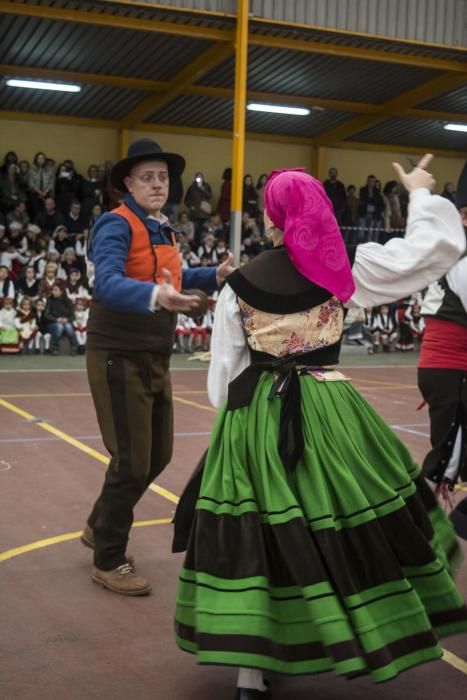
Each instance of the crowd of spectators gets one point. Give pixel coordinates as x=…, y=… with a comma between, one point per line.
x=47, y=211
x=398, y=326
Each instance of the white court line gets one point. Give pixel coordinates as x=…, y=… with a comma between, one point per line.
x=403, y=429
x=86, y=437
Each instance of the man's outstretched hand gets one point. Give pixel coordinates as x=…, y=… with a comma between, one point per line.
x=224, y=270
x=170, y=299
x=418, y=177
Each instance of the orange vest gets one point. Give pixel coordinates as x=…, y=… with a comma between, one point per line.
x=146, y=261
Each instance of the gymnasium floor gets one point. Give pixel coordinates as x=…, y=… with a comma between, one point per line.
x=63, y=637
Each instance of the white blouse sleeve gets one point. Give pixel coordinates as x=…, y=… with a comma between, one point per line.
x=229, y=350
x=433, y=242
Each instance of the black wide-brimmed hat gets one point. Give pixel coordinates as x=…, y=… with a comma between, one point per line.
x=144, y=149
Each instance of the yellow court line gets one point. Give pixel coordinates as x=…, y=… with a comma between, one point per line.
x=448, y=657
x=388, y=385
x=79, y=445
x=39, y=544
x=195, y=404
x=455, y=661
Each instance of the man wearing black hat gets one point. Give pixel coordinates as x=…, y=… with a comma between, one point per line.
x=138, y=279
x=442, y=374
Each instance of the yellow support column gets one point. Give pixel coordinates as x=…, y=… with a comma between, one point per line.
x=123, y=142
x=238, y=146
x=317, y=162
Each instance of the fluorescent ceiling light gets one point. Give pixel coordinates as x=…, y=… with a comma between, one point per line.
x=456, y=127
x=277, y=109
x=40, y=85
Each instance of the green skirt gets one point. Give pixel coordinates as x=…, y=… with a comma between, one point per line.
x=344, y=565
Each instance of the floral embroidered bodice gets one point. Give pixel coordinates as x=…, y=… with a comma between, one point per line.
x=288, y=334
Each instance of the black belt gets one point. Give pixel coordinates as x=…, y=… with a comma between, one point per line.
x=287, y=388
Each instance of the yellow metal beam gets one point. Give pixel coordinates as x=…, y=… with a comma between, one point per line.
x=123, y=142
x=115, y=21
x=396, y=148
x=161, y=86
x=339, y=51
x=393, y=107
x=238, y=137
x=200, y=32
x=295, y=26
x=57, y=119
x=83, y=78
x=435, y=116
x=188, y=75
x=163, y=128
x=225, y=134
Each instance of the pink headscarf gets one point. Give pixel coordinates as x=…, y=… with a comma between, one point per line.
x=298, y=205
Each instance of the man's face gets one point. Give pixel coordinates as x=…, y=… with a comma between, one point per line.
x=371, y=182
x=333, y=174
x=75, y=209
x=29, y=273
x=463, y=213
x=49, y=204
x=148, y=182
x=3, y=273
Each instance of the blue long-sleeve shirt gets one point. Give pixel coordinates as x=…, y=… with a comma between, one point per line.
x=108, y=250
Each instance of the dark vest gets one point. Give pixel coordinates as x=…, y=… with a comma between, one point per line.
x=451, y=308
x=109, y=329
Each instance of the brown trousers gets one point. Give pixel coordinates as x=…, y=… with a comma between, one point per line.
x=132, y=395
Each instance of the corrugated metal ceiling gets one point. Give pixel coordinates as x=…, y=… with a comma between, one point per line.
x=455, y=101
x=297, y=73
x=421, y=133
x=93, y=101
x=217, y=113
x=92, y=49
x=432, y=21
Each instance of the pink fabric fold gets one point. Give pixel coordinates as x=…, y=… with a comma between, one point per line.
x=298, y=205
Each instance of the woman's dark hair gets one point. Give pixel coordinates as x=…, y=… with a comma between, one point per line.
x=389, y=186
x=39, y=153
x=227, y=174
x=10, y=157
x=260, y=182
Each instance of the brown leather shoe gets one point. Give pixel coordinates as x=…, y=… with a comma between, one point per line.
x=87, y=538
x=122, y=580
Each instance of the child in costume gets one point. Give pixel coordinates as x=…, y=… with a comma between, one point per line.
x=26, y=325
x=9, y=338
x=43, y=333
x=80, y=322
x=316, y=544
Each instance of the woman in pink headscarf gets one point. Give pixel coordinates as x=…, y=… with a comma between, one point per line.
x=316, y=544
